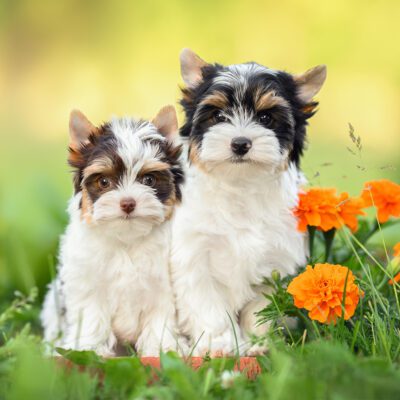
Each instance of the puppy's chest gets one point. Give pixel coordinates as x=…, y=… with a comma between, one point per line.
x=138, y=273
x=135, y=289
x=240, y=250
x=118, y=273
x=244, y=241
x=251, y=229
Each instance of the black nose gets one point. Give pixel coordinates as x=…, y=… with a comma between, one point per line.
x=127, y=205
x=240, y=145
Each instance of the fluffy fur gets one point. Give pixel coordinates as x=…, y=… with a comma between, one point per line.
x=235, y=225
x=113, y=281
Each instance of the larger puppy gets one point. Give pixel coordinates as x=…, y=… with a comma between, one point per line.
x=245, y=129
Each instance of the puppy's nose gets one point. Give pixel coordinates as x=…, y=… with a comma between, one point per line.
x=127, y=205
x=240, y=145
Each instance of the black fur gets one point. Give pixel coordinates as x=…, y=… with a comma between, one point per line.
x=172, y=155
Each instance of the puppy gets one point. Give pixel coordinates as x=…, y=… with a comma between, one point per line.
x=245, y=130
x=113, y=281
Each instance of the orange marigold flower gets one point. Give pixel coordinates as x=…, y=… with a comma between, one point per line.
x=395, y=279
x=396, y=249
x=396, y=253
x=386, y=197
x=349, y=208
x=325, y=210
x=323, y=289
x=317, y=207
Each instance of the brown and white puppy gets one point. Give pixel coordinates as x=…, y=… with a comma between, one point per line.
x=113, y=281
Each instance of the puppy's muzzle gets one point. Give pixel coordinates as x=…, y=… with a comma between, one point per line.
x=128, y=205
x=240, y=145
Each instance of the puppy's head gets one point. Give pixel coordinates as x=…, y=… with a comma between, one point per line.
x=127, y=170
x=246, y=115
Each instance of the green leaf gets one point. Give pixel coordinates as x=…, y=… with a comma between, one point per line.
x=84, y=357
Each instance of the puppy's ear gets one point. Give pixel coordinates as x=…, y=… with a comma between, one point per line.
x=191, y=67
x=80, y=128
x=166, y=122
x=310, y=82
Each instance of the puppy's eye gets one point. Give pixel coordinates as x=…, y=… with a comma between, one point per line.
x=103, y=182
x=264, y=117
x=220, y=117
x=149, y=180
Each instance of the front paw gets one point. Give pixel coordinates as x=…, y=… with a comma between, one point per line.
x=223, y=345
x=105, y=352
x=181, y=346
x=102, y=350
x=257, y=349
x=152, y=346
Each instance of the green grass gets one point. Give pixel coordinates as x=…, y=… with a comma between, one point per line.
x=324, y=367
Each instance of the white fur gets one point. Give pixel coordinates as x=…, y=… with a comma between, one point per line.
x=234, y=227
x=237, y=74
x=113, y=281
x=216, y=151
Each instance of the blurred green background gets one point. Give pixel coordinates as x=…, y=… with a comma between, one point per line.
x=121, y=57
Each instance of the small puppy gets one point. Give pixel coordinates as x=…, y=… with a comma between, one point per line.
x=113, y=283
x=245, y=129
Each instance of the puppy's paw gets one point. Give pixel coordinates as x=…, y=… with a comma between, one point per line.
x=257, y=349
x=182, y=346
x=105, y=352
x=152, y=346
x=223, y=345
x=101, y=350
x=104, y=347
x=155, y=350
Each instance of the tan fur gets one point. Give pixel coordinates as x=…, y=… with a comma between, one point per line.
x=310, y=82
x=87, y=207
x=187, y=95
x=309, y=108
x=166, y=121
x=102, y=165
x=153, y=166
x=217, y=99
x=80, y=128
x=194, y=157
x=74, y=156
x=269, y=100
x=170, y=205
x=191, y=67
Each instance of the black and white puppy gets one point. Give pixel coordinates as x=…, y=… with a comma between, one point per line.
x=245, y=130
x=113, y=282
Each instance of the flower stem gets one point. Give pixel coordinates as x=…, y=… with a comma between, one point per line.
x=311, y=234
x=329, y=236
x=375, y=228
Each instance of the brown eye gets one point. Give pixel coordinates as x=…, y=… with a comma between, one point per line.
x=104, y=182
x=220, y=117
x=264, y=117
x=149, y=180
